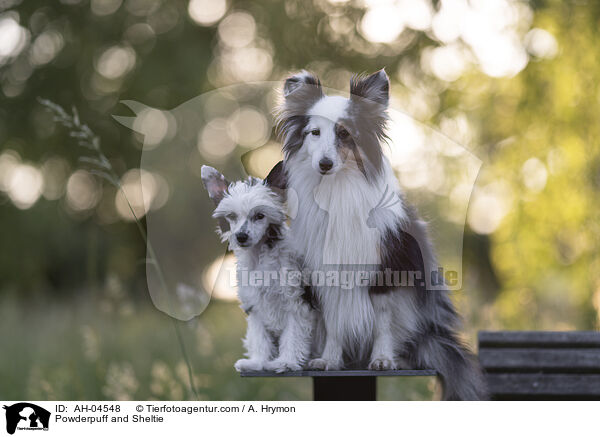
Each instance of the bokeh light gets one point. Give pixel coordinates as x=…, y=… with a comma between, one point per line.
x=105, y=7
x=488, y=207
x=417, y=13
x=83, y=191
x=45, y=47
x=382, y=23
x=219, y=278
x=446, y=62
x=155, y=125
x=237, y=29
x=25, y=185
x=214, y=141
x=116, y=61
x=142, y=190
x=247, y=64
x=9, y=160
x=13, y=37
x=207, y=12
x=248, y=127
x=259, y=162
x=489, y=28
x=534, y=174
x=541, y=44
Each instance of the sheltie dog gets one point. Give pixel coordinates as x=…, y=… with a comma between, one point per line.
x=352, y=217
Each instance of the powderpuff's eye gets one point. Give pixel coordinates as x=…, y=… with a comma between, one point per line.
x=316, y=132
x=259, y=216
x=343, y=134
x=231, y=216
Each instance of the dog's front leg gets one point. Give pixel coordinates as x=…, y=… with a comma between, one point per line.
x=294, y=344
x=332, y=356
x=259, y=346
x=382, y=356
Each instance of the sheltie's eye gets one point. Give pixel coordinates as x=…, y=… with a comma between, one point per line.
x=259, y=216
x=343, y=134
x=231, y=216
x=316, y=132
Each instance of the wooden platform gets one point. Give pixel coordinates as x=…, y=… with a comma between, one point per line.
x=343, y=385
x=341, y=373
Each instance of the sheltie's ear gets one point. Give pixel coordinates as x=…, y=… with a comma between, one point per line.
x=375, y=87
x=300, y=92
x=302, y=83
x=214, y=182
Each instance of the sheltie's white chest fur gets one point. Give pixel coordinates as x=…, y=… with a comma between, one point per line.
x=331, y=232
x=332, y=225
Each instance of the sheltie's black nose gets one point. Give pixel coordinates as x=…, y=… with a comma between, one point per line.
x=242, y=237
x=325, y=164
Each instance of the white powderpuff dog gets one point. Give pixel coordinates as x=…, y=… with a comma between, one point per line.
x=352, y=215
x=280, y=319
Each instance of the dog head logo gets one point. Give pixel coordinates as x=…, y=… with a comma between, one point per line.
x=26, y=416
x=232, y=129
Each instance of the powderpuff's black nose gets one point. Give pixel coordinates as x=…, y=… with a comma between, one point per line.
x=325, y=164
x=242, y=237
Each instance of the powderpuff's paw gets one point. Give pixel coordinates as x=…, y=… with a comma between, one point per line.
x=281, y=366
x=246, y=365
x=322, y=364
x=382, y=364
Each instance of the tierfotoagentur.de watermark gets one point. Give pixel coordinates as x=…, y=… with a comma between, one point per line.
x=341, y=278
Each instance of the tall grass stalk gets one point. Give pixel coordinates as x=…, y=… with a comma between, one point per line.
x=100, y=166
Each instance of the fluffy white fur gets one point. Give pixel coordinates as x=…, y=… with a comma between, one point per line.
x=277, y=312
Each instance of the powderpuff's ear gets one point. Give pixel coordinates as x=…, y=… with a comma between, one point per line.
x=214, y=182
x=276, y=180
x=277, y=177
x=375, y=87
x=302, y=83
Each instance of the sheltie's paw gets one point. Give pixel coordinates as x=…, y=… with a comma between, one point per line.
x=382, y=364
x=402, y=364
x=281, y=366
x=247, y=365
x=322, y=364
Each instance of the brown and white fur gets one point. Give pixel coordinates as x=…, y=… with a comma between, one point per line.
x=280, y=319
x=334, y=162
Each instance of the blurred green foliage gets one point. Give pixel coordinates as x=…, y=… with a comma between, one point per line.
x=531, y=258
x=110, y=348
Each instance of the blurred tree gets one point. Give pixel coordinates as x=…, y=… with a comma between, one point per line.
x=514, y=81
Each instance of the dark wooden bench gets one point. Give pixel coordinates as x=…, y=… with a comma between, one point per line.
x=538, y=365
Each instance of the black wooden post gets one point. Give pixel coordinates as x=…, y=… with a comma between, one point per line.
x=342, y=388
